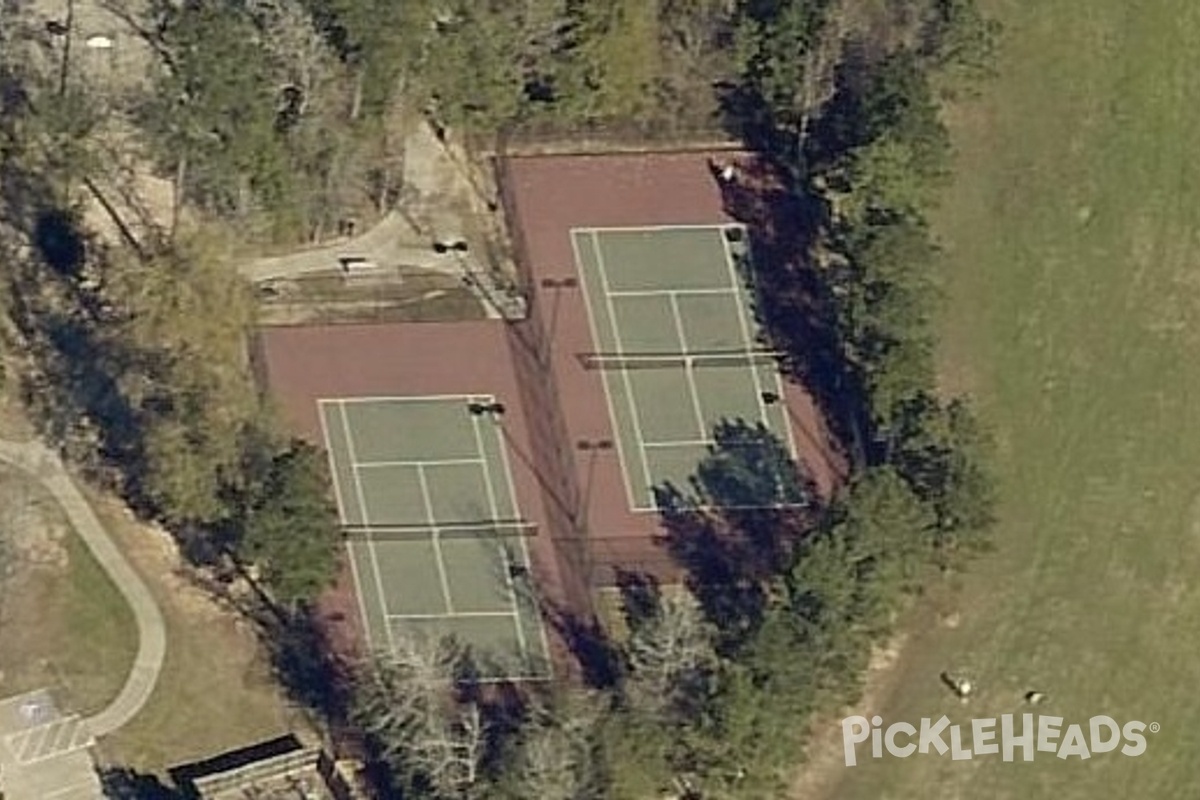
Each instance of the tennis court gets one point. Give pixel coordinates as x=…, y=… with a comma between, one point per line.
x=678, y=345
x=436, y=541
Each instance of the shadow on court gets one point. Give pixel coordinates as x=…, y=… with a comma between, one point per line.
x=792, y=301
x=747, y=508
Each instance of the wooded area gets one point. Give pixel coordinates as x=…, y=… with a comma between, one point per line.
x=274, y=118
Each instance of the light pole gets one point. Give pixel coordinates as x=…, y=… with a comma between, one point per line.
x=557, y=284
x=580, y=517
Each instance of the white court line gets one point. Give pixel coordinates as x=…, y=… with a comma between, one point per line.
x=661, y=292
x=681, y=443
x=702, y=226
x=632, y=403
x=456, y=615
x=437, y=543
x=508, y=581
x=416, y=398
x=362, y=504
x=333, y=470
x=593, y=324
x=748, y=334
x=437, y=462
x=687, y=368
x=516, y=507
x=358, y=589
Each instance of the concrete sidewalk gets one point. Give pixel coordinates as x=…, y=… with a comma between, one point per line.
x=43, y=464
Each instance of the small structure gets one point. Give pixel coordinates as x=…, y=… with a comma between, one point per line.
x=1035, y=698
x=99, y=43
x=279, y=769
x=355, y=265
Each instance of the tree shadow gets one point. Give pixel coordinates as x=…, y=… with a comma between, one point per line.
x=747, y=507
x=59, y=242
x=307, y=664
x=596, y=655
x=793, y=302
x=126, y=783
x=719, y=572
x=641, y=597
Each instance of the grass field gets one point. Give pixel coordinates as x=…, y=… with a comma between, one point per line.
x=64, y=625
x=1073, y=230
x=216, y=692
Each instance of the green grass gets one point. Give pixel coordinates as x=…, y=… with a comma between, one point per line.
x=65, y=627
x=1073, y=283
x=101, y=636
x=215, y=692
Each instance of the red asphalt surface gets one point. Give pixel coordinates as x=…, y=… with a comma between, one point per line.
x=546, y=197
x=577, y=498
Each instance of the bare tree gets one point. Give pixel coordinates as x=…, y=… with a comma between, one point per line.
x=558, y=758
x=670, y=652
x=424, y=734
x=299, y=54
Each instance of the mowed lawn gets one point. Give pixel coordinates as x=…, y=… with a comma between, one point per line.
x=1073, y=314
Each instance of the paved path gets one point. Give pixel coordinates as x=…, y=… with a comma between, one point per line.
x=42, y=463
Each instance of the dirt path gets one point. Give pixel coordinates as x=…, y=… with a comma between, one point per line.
x=824, y=762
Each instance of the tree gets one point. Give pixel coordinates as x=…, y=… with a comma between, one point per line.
x=672, y=657
x=433, y=746
x=943, y=452
x=780, y=56
x=854, y=572
x=287, y=524
x=211, y=112
x=559, y=755
x=747, y=466
x=610, y=60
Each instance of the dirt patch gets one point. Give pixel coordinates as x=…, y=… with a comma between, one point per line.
x=825, y=754
x=31, y=527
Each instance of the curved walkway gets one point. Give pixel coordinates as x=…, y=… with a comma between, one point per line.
x=43, y=464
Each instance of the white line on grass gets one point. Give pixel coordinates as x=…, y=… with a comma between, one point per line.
x=661, y=292
x=681, y=443
x=337, y=489
x=358, y=590
x=416, y=398
x=749, y=337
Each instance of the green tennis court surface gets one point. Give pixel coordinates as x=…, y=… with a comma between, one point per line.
x=435, y=539
x=678, y=344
